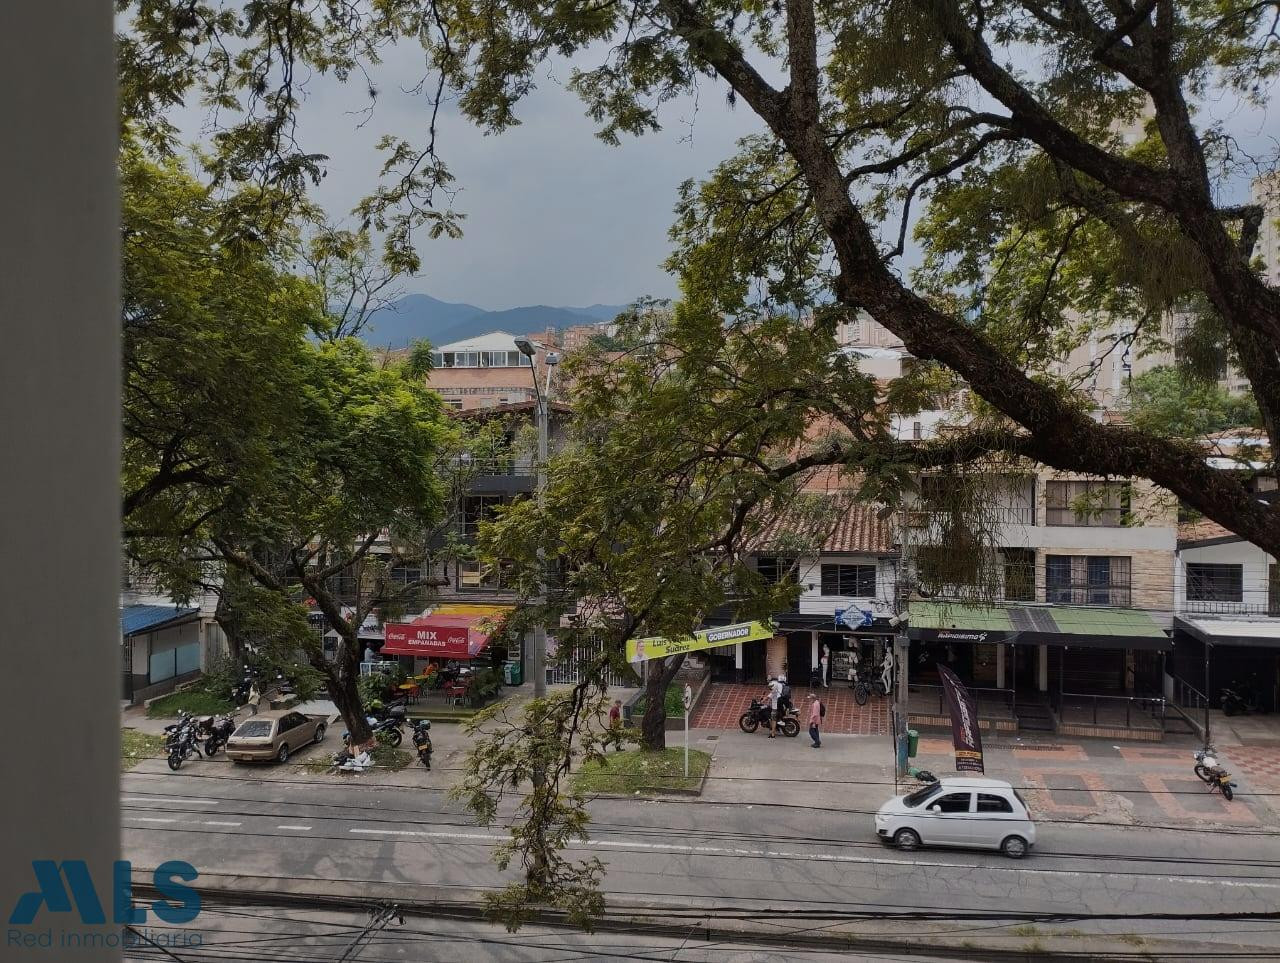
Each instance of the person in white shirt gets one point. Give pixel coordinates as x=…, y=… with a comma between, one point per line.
x=775, y=694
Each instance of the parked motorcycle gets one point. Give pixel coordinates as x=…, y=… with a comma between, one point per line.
x=216, y=731
x=1210, y=772
x=1237, y=699
x=386, y=723
x=181, y=742
x=759, y=714
x=422, y=741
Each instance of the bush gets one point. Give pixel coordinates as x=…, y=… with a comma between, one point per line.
x=674, y=703
x=483, y=684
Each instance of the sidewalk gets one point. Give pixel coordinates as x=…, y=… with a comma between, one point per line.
x=1080, y=780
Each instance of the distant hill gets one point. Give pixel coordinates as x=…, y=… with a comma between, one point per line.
x=417, y=316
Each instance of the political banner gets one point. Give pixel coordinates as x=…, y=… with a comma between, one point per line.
x=965, y=735
x=658, y=647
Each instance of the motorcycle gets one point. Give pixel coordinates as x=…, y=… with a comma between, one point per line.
x=1214, y=775
x=181, y=742
x=386, y=723
x=216, y=730
x=759, y=714
x=422, y=741
x=1237, y=699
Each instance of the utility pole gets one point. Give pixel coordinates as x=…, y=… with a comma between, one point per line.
x=542, y=417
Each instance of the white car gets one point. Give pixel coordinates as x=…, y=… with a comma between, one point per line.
x=978, y=813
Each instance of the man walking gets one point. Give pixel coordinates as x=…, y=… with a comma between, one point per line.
x=816, y=711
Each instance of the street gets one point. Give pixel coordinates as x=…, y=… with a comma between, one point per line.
x=786, y=865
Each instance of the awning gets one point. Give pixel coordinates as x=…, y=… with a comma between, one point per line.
x=147, y=618
x=439, y=636
x=1068, y=625
x=1249, y=633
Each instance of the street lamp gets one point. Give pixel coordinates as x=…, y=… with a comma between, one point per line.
x=529, y=348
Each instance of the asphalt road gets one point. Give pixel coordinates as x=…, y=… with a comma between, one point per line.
x=697, y=861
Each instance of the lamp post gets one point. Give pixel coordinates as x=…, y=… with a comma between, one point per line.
x=542, y=418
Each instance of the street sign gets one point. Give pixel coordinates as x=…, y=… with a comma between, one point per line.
x=688, y=705
x=854, y=618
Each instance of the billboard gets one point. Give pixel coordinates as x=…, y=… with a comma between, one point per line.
x=965, y=735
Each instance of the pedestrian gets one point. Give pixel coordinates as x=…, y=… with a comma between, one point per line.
x=775, y=697
x=255, y=698
x=615, y=723
x=816, y=711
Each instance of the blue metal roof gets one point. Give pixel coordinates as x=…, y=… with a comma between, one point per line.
x=140, y=618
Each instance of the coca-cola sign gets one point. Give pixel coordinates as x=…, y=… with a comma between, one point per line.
x=447, y=641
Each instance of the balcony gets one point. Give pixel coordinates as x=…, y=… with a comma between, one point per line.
x=1223, y=607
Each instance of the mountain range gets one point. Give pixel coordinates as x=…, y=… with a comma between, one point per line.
x=416, y=316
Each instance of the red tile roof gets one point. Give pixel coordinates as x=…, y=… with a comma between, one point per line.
x=829, y=524
x=1202, y=530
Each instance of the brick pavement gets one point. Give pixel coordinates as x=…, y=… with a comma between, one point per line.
x=725, y=702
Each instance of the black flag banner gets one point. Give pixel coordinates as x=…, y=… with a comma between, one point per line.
x=964, y=722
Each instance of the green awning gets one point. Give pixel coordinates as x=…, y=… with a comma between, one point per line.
x=1068, y=625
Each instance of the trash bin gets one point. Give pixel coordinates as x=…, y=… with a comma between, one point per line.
x=512, y=673
x=913, y=743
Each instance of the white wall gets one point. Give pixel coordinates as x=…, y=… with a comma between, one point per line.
x=813, y=602
x=1254, y=564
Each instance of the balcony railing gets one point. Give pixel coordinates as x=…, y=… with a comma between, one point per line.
x=1221, y=607
x=1096, y=518
x=1073, y=593
x=1108, y=710
x=991, y=703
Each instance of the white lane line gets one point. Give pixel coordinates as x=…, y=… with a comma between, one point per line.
x=150, y=819
x=291, y=826
x=821, y=857
x=214, y=822
x=169, y=801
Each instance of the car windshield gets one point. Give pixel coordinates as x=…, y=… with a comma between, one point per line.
x=255, y=728
x=914, y=799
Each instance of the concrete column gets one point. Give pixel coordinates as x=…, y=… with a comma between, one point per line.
x=737, y=656
x=1042, y=665
x=813, y=651
x=999, y=666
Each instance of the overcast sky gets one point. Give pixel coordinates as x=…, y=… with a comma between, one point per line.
x=553, y=215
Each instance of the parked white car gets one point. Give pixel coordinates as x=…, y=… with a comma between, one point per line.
x=978, y=813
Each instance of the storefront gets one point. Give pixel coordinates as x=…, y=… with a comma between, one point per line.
x=797, y=648
x=160, y=649
x=448, y=634
x=1240, y=653
x=1081, y=669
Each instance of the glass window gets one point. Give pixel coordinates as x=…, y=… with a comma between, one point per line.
x=914, y=799
x=255, y=729
x=447, y=359
x=953, y=802
x=1087, y=503
x=1019, y=574
x=1087, y=579
x=855, y=581
x=774, y=569
x=1215, y=582
x=988, y=803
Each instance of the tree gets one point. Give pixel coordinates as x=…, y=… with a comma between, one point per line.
x=1166, y=402
x=889, y=106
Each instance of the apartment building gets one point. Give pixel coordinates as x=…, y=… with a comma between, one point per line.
x=488, y=370
x=1226, y=626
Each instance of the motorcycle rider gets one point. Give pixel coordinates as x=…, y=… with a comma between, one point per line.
x=774, y=695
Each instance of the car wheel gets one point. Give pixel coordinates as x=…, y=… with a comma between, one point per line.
x=1015, y=847
x=283, y=754
x=320, y=733
x=906, y=839
x=748, y=723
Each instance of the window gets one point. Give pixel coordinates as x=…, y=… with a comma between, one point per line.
x=1087, y=580
x=1019, y=574
x=1087, y=503
x=914, y=799
x=1214, y=582
x=856, y=581
x=477, y=509
x=988, y=803
x=953, y=802
x=405, y=574
x=916, y=433
x=774, y=569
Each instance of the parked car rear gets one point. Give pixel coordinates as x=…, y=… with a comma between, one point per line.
x=274, y=736
x=977, y=813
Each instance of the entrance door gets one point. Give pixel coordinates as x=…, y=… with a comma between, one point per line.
x=799, y=657
x=1026, y=668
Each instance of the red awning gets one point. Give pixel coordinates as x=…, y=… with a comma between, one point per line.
x=441, y=636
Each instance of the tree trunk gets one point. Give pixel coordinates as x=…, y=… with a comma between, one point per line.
x=658, y=674
x=230, y=625
x=340, y=678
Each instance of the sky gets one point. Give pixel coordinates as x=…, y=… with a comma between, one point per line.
x=554, y=215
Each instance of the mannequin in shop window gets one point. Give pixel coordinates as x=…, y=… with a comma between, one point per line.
x=886, y=669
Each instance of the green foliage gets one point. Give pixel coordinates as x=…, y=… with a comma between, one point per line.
x=198, y=701
x=639, y=772
x=1167, y=402
x=136, y=746
x=674, y=704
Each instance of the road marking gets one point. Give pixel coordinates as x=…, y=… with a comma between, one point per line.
x=171, y=800
x=818, y=857
x=291, y=826
x=150, y=819
x=214, y=822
